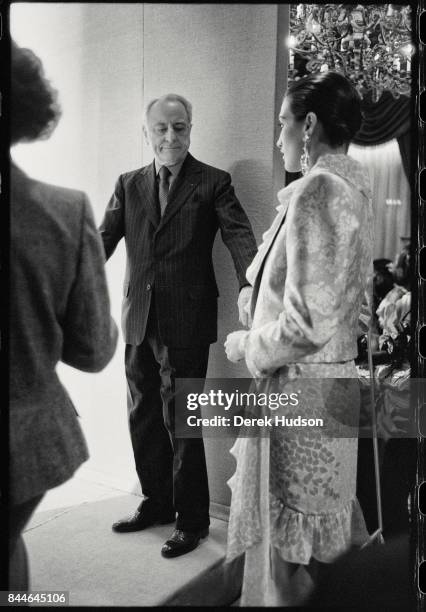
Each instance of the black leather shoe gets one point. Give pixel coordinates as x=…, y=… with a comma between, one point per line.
x=141, y=520
x=182, y=542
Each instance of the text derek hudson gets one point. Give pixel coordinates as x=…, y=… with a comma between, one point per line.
x=238, y=421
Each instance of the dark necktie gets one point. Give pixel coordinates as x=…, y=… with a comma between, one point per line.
x=163, y=188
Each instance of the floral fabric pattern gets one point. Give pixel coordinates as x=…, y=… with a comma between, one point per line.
x=309, y=278
x=311, y=270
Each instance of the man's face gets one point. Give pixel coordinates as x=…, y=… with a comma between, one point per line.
x=168, y=131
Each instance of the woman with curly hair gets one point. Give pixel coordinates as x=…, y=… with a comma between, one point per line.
x=35, y=110
x=59, y=311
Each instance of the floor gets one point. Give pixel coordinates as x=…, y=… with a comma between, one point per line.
x=71, y=547
x=70, y=542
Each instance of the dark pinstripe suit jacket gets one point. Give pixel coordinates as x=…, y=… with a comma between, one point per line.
x=173, y=255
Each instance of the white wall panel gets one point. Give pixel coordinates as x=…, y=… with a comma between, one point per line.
x=107, y=61
x=93, y=55
x=223, y=59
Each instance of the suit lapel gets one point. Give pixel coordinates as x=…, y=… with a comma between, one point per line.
x=186, y=181
x=148, y=193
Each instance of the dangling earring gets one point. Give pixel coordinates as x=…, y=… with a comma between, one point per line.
x=304, y=158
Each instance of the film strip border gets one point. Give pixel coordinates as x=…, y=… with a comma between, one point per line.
x=418, y=512
x=419, y=509
x=4, y=277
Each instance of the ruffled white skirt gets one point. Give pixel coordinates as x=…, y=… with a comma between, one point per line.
x=293, y=496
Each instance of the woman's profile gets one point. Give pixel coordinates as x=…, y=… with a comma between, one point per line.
x=293, y=496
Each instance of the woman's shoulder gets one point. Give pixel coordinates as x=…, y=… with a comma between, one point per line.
x=342, y=170
x=333, y=180
x=286, y=193
x=23, y=184
x=55, y=200
x=56, y=194
x=40, y=206
x=319, y=177
x=318, y=185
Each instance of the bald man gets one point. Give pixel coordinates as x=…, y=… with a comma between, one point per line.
x=169, y=213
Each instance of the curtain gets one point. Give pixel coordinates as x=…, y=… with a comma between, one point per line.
x=385, y=120
x=391, y=195
x=404, y=143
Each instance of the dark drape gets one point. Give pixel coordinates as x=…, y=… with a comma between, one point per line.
x=384, y=120
x=404, y=142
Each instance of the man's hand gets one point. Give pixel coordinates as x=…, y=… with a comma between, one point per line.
x=244, y=306
x=235, y=345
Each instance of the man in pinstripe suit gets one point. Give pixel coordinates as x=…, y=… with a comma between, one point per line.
x=169, y=213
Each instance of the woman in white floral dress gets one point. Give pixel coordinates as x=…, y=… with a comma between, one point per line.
x=293, y=496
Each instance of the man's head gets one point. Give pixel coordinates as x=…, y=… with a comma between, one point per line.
x=167, y=128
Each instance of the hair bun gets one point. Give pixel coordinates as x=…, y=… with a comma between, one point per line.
x=334, y=100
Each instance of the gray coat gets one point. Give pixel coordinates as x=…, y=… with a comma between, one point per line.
x=59, y=310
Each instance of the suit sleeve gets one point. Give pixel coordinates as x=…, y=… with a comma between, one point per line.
x=235, y=228
x=89, y=333
x=320, y=229
x=112, y=226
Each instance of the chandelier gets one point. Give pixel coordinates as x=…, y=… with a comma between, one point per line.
x=370, y=44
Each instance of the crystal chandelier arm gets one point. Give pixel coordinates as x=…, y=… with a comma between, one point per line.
x=302, y=34
x=343, y=60
x=340, y=38
x=362, y=42
x=304, y=52
x=323, y=43
x=363, y=29
x=369, y=26
x=332, y=54
x=395, y=25
x=400, y=49
x=406, y=27
x=382, y=32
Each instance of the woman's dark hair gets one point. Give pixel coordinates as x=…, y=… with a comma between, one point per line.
x=334, y=100
x=34, y=108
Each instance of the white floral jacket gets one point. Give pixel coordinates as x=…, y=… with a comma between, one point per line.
x=310, y=273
